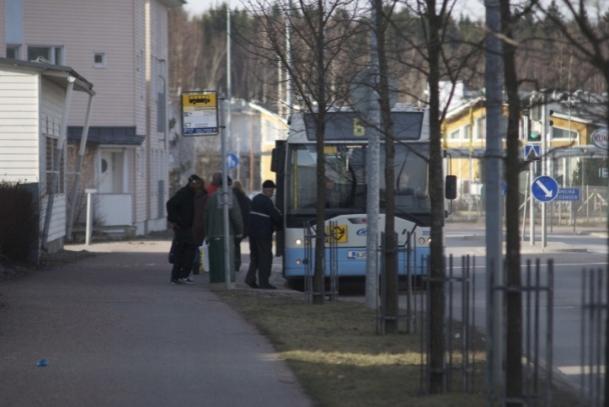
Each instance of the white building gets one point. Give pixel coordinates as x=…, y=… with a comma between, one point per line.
x=121, y=47
x=34, y=109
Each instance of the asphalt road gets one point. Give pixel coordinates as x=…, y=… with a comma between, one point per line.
x=116, y=333
x=571, y=252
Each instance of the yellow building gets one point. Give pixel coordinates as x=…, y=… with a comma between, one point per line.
x=464, y=135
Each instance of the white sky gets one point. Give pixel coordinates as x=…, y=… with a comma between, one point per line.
x=473, y=8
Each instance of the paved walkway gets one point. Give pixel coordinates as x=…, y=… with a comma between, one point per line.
x=116, y=333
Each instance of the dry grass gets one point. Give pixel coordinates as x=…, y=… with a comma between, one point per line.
x=335, y=353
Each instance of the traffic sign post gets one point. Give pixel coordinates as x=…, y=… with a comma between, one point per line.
x=544, y=189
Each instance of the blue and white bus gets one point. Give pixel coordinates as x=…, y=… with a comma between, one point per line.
x=294, y=161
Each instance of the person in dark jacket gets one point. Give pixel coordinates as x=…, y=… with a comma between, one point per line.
x=264, y=219
x=244, y=204
x=180, y=216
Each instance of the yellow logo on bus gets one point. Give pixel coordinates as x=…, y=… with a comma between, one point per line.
x=338, y=232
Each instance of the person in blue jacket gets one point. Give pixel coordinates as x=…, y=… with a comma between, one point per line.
x=264, y=219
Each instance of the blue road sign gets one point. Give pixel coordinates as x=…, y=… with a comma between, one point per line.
x=544, y=188
x=232, y=161
x=568, y=194
x=532, y=151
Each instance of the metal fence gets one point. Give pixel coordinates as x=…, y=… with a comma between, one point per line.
x=330, y=262
x=592, y=347
x=537, y=292
x=407, y=279
x=460, y=335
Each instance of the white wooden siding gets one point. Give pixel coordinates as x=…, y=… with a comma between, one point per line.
x=18, y=126
x=84, y=27
x=52, y=101
x=57, y=228
x=2, y=28
x=139, y=74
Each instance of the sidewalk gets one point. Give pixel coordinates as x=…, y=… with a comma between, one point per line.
x=116, y=333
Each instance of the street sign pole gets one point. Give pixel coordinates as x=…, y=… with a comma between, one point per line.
x=373, y=179
x=493, y=73
x=225, y=134
x=544, y=168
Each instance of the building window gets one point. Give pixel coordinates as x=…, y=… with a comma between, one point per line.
x=468, y=132
x=563, y=134
x=12, y=51
x=481, y=131
x=49, y=54
x=99, y=59
x=54, y=167
x=455, y=135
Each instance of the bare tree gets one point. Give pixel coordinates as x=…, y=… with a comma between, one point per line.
x=587, y=31
x=430, y=50
x=320, y=32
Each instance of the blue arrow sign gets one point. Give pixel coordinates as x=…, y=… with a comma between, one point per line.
x=532, y=149
x=568, y=194
x=232, y=161
x=544, y=188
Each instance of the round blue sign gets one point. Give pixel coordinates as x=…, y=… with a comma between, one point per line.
x=232, y=161
x=544, y=188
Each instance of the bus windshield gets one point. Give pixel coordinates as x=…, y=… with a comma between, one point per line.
x=345, y=178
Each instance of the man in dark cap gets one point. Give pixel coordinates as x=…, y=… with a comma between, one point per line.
x=264, y=219
x=180, y=217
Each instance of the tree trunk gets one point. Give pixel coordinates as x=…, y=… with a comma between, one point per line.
x=320, y=128
x=436, y=194
x=513, y=373
x=390, y=244
x=606, y=401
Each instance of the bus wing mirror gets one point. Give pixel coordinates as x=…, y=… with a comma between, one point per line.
x=274, y=160
x=451, y=187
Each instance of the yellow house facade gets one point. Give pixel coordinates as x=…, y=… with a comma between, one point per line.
x=464, y=136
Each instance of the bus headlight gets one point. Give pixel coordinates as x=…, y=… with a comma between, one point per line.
x=298, y=242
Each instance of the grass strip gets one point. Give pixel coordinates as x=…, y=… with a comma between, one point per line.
x=337, y=356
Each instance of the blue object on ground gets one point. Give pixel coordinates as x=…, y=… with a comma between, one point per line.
x=42, y=363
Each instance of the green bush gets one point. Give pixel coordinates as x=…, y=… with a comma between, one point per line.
x=18, y=222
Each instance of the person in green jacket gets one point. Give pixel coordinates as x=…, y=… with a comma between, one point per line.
x=214, y=231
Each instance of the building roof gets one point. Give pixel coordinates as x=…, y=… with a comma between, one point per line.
x=173, y=3
x=56, y=73
x=121, y=136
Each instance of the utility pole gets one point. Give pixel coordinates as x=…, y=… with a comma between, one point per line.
x=288, y=48
x=494, y=255
x=226, y=201
x=544, y=165
x=373, y=178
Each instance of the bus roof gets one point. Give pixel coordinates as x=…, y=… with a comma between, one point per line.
x=347, y=126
